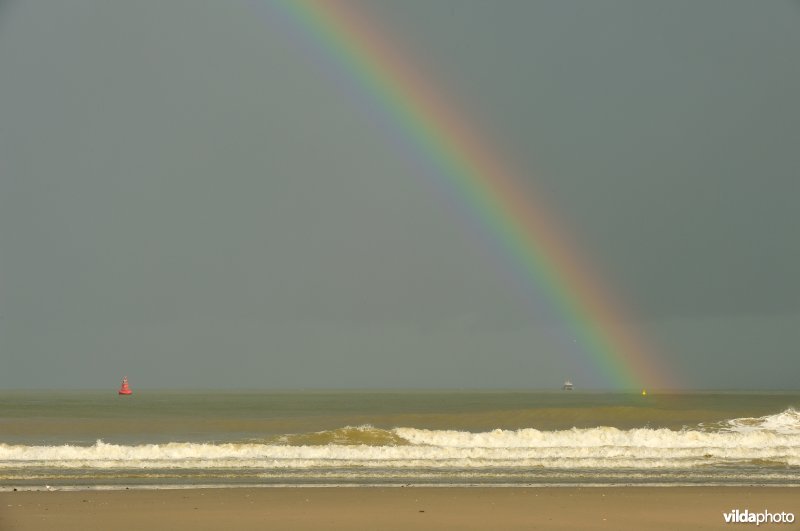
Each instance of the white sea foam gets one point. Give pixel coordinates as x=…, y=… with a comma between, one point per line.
x=786, y=422
x=773, y=440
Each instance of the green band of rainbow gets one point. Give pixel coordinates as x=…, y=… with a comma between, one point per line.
x=471, y=167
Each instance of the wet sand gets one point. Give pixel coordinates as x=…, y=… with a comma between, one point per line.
x=666, y=508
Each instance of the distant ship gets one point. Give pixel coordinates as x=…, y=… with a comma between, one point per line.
x=567, y=386
x=124, y=389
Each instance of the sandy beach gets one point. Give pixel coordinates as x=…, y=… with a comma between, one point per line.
x=398, y=508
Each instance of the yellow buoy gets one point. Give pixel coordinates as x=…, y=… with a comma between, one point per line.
x=644, y=392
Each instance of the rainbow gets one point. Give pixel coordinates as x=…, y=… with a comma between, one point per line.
x=357, y=49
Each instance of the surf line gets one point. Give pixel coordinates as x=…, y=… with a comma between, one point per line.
x=356, y=53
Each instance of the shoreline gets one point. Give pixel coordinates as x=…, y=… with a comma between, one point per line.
x=304, y=508
x=234, y=486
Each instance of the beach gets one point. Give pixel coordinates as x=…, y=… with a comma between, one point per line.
x=390, y=508
x=88, y=460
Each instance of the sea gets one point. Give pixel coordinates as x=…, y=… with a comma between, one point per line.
x=168, y=439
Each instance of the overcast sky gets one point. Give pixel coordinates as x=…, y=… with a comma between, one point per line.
x=188, y=198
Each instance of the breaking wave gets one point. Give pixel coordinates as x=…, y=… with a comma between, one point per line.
x=786, y=422
x=349, y=435
x=770, y=441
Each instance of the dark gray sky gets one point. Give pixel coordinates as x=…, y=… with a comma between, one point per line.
x=187, y=198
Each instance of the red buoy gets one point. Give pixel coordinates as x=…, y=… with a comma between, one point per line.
x=124, y=389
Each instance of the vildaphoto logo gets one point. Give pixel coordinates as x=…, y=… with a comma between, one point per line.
x=746, y=517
